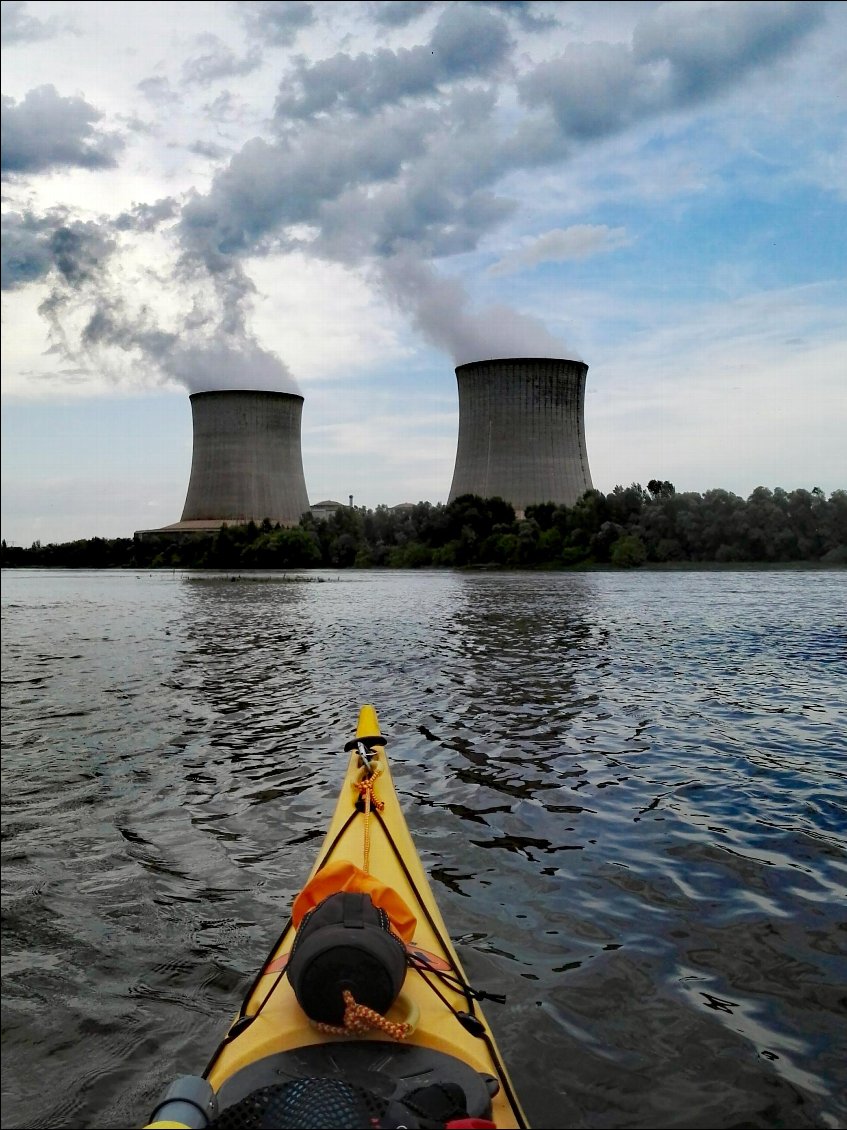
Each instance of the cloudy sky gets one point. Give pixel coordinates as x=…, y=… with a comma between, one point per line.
x=349, y=199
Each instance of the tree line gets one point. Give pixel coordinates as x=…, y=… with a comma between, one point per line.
x=629, y=527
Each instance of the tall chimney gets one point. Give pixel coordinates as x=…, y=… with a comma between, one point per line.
x=522, y=431
x=247, y=463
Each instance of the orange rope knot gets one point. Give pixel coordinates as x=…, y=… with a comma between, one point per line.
x=365, y=790
x=359, y=1019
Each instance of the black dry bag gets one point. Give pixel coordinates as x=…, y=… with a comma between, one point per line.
x=345, y=942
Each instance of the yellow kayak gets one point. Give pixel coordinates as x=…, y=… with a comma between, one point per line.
x=362, y=1014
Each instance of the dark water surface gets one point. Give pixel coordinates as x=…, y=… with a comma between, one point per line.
x=630, y=791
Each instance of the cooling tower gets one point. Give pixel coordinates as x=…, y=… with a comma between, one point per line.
x=522, y=431
x=247, y=462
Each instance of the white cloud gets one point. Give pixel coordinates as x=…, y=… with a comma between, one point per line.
x=580, y=241
x=296, y=226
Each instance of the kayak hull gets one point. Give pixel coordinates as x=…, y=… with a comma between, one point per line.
x=272, y=1040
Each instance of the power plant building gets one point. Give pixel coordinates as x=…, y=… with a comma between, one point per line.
x=246, y=463
x=522, y=431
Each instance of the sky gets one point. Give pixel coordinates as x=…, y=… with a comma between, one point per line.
x=349, y=199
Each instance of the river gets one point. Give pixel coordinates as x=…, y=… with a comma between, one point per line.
x=629, y=789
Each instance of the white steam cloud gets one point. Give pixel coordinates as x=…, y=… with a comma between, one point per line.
x=219, y=366
x=390, y=159
x=440, y=309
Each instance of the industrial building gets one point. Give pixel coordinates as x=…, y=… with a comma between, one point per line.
x=521, y=438
x=522, y=431
x=246, y=463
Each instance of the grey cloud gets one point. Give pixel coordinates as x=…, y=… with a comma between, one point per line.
x=435, y=220
x=266, y=187
x=276, y=22
x=397, y=179
x=134, y=124
x=467, y=42
x=681, y=54
x=220, y=361
x=593, y=89
x=210, y=351
x=224, y=108
x=409, y=176
x=397, y=13
x=79, y=250
x=442, y=202
x=33, y=247
x=147, y=217
x=46, y=131
x=439, y=202
x=532, y=17
x=439, y=224
x=709, y=49
x=110, y=323
x=406, y=183
x=208, y=149
x=17, y=25
x=536, y=141
x=25, y=254
x=158, y=89
x=218, y=62
x=400, y=13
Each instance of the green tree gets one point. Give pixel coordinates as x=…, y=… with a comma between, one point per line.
x=291, y=548
x=661, y=488
x=833, y=522
x=628, y=552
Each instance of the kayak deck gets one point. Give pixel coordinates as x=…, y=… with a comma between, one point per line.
x=271, y=1038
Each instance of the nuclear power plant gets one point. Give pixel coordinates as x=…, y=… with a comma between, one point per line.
x=521, y=438
x=246, y=463
x=522, y=431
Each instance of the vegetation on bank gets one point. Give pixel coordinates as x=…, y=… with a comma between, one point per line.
x=629, y=527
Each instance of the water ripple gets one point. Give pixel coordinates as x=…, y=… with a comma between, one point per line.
x=629, y=792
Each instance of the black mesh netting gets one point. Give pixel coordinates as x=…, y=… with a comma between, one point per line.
x=304, y=1104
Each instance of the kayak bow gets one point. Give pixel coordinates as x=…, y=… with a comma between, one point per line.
x=432, y=1034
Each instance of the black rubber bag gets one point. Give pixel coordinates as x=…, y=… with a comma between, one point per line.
x=345, y=942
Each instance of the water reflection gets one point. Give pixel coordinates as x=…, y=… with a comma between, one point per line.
x=627, y=790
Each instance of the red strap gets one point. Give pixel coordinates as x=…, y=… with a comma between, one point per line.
x=470, y=1124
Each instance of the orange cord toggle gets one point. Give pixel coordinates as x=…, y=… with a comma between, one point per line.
x=365, y=789
x=359, y=1019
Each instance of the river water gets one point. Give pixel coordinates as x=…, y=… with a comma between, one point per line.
x=630, y=791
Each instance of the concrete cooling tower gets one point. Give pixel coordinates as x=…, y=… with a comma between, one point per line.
x=522, y=431
x=247, y=462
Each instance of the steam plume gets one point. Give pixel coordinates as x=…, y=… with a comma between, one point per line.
x=440, y=310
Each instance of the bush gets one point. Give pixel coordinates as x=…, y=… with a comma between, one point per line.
x=628, y=552
x=412, y=555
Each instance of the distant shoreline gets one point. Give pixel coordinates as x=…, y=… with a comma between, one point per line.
x=598, y=567
x=653, y=529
